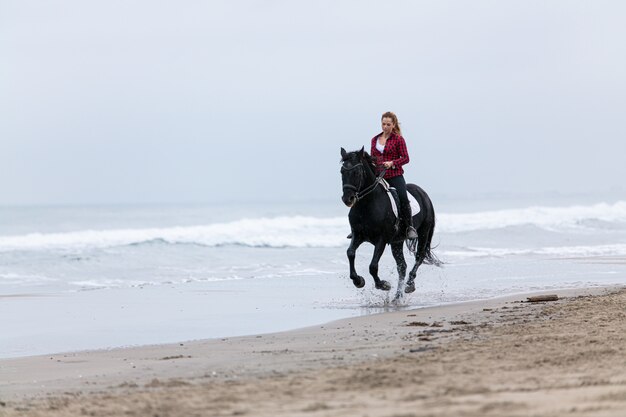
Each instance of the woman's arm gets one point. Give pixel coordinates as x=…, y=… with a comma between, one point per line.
x=403, y=153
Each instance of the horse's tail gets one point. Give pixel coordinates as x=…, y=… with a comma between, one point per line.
x=429, y=257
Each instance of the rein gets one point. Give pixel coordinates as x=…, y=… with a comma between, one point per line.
x=362, y=193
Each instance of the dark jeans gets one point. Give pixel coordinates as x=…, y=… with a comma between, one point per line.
x=405, y=207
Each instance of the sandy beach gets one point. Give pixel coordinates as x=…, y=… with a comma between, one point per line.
x=179, y=180
x=496, y=357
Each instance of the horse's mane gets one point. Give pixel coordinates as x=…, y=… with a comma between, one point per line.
x=368, y=158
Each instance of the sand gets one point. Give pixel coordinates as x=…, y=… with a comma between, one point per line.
x=499, y=357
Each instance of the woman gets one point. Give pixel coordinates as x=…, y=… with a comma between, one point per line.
x=389, y=151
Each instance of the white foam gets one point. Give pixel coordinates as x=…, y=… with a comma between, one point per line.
x=618, y=249
x=301, y=231
x=12, y=278
x=296, y=231
x=548, y=218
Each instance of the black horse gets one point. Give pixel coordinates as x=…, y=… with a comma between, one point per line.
x=372, y=220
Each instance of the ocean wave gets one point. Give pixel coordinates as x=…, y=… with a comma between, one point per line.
x=547, y=218
x=618, y=249
x=13, y=278
x=279, y=232
x=302, y=231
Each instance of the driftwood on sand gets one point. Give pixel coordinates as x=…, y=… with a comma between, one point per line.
x=539, y=298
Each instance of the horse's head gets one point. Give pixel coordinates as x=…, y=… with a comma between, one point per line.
x=353, y=174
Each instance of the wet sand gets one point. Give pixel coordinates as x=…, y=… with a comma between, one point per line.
x=499, y=357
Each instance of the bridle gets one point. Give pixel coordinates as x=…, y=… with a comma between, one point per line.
x=359, y=194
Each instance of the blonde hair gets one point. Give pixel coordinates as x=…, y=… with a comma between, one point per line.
x=394, y=120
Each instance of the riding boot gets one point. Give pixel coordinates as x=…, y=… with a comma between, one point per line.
x=406, y=222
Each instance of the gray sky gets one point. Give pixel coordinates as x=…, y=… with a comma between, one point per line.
x=199, y=101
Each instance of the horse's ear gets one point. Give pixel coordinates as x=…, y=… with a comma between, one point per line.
x=344, y=154
x=362, y=152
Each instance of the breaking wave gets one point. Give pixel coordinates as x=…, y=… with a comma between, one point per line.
x=273, y=232
x=547, y=218
x=302, y=231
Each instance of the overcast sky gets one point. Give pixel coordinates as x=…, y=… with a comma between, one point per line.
x=197, y=101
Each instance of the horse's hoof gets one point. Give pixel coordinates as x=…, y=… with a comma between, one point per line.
x=358, y=282
x=398, y=297
x=409, y=288
x=383, y=285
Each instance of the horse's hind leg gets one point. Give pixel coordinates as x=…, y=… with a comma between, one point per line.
x=410, y=284
x=420, y=255
x=379, y=248
x=398, y=254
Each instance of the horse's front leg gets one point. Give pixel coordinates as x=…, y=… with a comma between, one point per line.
x=379, y=248
x=357, y=280
x=398, y=254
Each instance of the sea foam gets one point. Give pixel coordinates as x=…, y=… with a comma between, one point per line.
x=295, y=231
x=302, y=231
x=547, y=218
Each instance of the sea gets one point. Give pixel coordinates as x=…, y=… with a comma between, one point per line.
x=101, y=277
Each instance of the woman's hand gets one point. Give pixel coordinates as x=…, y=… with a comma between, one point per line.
x=388, y=164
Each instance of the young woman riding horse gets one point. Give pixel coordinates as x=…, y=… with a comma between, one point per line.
x=389, y=152
x=371, y=215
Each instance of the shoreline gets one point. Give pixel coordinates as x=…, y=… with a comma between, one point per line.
x=324, y=314
x=37, y=383
x=158, y=314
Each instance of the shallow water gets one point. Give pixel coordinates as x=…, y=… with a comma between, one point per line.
x=76, y=278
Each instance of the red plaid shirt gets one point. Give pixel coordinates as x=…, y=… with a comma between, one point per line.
x=395, y=151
